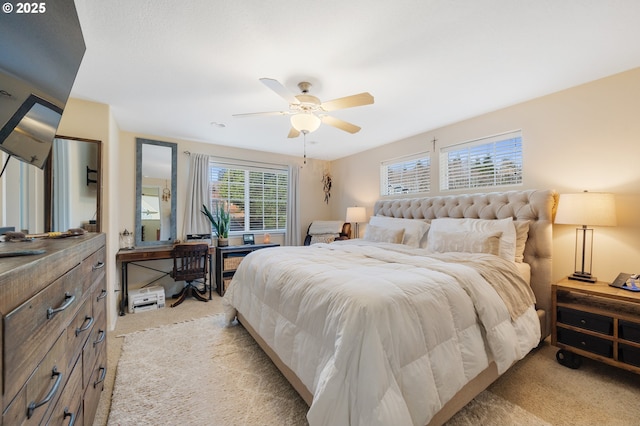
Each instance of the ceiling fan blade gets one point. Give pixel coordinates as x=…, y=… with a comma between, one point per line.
x=277, y=87
x=348, y=102
x=293, y=133
x=263, y=114
x=340, y=124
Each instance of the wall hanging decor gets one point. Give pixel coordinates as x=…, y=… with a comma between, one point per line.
x=326, y=183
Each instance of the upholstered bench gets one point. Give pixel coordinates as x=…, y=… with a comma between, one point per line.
x=327, y=231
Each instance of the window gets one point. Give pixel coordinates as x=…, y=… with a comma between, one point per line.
x=407, y=175
x=256, y=196
x=482, y=163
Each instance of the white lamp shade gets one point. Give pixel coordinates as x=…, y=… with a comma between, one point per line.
x=356, y=214
x=587, y=208
x=305, y=122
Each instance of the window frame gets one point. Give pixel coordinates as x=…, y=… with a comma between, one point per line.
x=411, y=160
x=472, y=150
x=248, y=168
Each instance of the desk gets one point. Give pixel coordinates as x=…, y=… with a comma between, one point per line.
x=125, y=257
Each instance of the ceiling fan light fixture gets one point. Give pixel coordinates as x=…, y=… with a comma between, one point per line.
x=305, y=122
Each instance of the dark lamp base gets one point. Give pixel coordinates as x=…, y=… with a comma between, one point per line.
x=587, y=278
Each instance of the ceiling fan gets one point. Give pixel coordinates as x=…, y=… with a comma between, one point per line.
x=307, y=112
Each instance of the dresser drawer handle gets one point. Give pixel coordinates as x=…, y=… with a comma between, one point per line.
x=33, y=405
x=68, y=300
x=103, y=374
x=89, y=320
x=97, y=266
x=101, y=335
x=72, y=420
x=102, y=295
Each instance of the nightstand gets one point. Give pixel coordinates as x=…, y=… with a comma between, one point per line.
x=596, y=321
x=228, y=259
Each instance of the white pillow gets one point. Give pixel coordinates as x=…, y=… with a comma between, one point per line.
x=466, y=242
x=383, y=235
x=507, y=240
x=414, y=229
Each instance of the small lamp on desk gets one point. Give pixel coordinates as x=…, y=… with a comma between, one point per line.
x=587, y=209
x=356, y=215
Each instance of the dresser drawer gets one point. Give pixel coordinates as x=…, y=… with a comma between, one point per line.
x=629, y=331
x=99, y=299
x=79, y=330
x=93, y=267
x=68, y=407
x=47, y=381
x=585, y=342
x=95, y=386
x=586, y=320
x=32, y=328
x=93, y=348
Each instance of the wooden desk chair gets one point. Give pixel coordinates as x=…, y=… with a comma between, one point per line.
x=189, y=265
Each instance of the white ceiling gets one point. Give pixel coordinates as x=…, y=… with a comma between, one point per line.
x=170, y=68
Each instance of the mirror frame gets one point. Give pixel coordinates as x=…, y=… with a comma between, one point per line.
x=48, y=185
x=140, y=142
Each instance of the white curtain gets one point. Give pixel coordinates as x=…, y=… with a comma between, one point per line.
x=61, y=203
x=197, y=194
x=292, y=237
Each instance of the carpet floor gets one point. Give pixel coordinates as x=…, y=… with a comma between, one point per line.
x=176, y=368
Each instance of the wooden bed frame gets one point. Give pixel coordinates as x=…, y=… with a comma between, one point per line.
x=537, y=207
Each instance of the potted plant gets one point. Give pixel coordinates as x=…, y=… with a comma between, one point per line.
x=219, y=222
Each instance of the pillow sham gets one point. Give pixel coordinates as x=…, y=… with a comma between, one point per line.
x=507, y=239
x=522, y=234
x=414, y=229
x=383, y=235
x=466, y=242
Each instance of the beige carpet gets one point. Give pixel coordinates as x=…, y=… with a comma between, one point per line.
x=203, y=373
x=231, y=371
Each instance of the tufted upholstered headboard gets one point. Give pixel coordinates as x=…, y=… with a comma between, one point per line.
x=536, y=206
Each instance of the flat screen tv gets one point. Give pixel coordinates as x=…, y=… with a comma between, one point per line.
x=39, y=60
x=29, y=133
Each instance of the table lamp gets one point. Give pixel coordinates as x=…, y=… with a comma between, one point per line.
x=586, y=209
x=356, y=215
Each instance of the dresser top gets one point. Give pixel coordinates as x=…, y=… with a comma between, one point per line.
x=22, y=276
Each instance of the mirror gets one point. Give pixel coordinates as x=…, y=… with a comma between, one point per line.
x=156, y=166
x=73, y=185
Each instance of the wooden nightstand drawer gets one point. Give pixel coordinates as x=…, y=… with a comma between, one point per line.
x=629, y=331
x=629, y=354
x=586, y=320
x=585, y=342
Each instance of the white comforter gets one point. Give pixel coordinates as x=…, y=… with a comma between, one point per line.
x=379, y=336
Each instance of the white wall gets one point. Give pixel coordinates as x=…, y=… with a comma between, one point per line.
x=90, y=120
x=583, y=138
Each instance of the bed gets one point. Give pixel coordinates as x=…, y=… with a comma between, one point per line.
x=404, y=326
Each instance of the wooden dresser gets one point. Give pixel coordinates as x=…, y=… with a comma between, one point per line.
x=53, y=344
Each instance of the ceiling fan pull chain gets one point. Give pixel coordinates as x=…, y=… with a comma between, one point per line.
x=304, y=137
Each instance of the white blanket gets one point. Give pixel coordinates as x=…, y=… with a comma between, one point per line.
x=378, y=336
